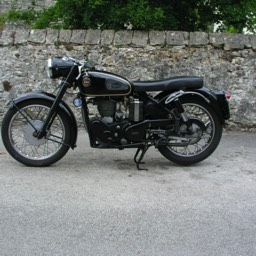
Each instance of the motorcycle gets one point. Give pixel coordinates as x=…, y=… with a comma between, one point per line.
x=179, y=116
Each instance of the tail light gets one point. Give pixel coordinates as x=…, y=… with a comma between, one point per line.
x=228, y=95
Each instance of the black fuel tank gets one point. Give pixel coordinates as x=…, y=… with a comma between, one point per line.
x=106, y=84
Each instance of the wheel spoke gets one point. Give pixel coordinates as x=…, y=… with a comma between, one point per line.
x=201, y=137
x=25, y=122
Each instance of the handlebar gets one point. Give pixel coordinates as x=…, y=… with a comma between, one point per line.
x=83, y=63
x=87, y=65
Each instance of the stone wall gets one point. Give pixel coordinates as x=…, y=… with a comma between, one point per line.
x=6, y=5
x=226, y=61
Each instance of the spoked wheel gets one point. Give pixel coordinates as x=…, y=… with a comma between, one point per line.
x=197, y=142
x=18, y=134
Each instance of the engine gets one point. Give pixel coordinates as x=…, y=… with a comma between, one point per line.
x=117, y=124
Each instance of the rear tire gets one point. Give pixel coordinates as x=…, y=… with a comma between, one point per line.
x=203, y=141
x=17, y=134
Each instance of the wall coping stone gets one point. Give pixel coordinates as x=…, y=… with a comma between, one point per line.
x=7, y=38
x=177, y=38
x=157, y=38
x=78, y=37
x=140, y=38
x=21, y=36
x=93, y=37
x=123, y=37
x=52, y=36
x=37, y=36
x=199, y=38
x=227, y=42
x=107, y=37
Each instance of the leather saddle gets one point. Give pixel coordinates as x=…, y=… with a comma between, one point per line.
x=170, y=84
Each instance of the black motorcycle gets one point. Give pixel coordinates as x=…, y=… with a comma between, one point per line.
x=178, y=116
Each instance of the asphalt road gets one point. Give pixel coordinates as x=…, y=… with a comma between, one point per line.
x=95, y=202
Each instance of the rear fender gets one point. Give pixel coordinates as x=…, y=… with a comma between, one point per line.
x=50, y=98
x=216, y=100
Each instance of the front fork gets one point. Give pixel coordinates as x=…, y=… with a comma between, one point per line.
x=52, y=113
x=65, y=84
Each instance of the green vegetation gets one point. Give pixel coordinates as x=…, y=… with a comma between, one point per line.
x=182, y=15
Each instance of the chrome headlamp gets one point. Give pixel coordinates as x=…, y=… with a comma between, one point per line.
x=59, y=67
x=49, y=68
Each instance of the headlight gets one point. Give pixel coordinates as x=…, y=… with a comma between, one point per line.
x=49, y=69
x=59, y=67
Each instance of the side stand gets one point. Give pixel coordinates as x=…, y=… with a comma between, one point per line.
x=142, y=151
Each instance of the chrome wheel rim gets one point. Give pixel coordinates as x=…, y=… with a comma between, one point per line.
x=22, y=126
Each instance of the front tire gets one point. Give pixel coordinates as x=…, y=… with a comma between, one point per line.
x=203, y=141
x=19, y=125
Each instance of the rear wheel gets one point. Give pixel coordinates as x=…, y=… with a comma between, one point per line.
x=203, y=137
x=18, y=130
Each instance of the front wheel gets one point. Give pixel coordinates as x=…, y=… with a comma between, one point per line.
x=193, y=146
x=18, y=129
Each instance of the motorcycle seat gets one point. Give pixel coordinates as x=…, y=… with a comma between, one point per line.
x=173, y=83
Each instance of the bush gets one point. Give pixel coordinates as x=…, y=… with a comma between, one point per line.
x=193, y=15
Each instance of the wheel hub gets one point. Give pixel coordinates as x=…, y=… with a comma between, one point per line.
x=194, y=132
x=29, y=133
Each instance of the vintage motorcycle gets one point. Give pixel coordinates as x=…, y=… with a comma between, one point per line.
x=180, y=117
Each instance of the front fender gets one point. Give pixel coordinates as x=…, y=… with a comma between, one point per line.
x=50, y=98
